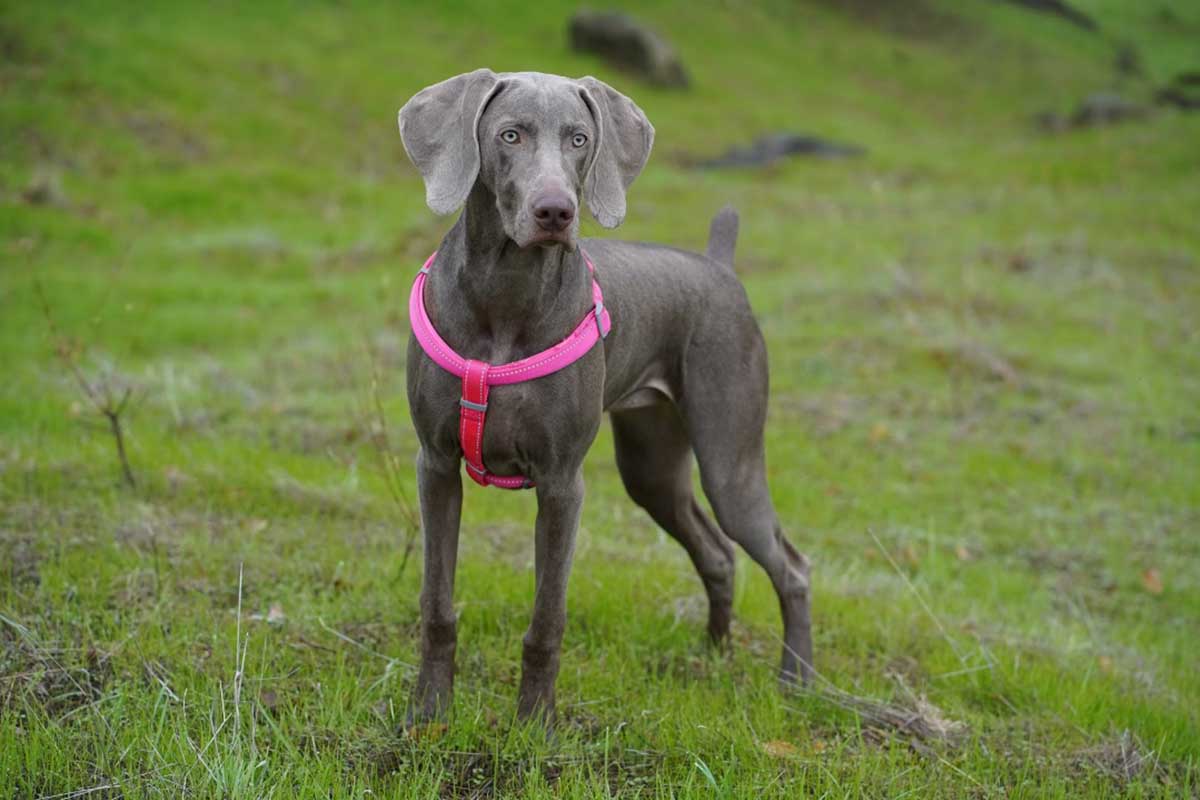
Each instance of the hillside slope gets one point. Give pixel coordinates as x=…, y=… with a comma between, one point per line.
x=984, y=430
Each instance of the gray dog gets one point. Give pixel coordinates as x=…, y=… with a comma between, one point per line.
x=683, y=371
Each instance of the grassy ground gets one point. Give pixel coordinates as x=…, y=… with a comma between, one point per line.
x=984, y=425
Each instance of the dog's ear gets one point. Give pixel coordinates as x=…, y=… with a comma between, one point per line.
x=623, y=140
x=440, y=130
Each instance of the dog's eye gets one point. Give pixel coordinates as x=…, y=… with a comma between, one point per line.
x=510, y=136
x=579, y=140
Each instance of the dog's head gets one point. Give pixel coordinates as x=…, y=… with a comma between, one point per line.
x=538, y=142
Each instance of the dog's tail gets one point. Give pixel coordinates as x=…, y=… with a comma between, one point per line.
x=722, y=236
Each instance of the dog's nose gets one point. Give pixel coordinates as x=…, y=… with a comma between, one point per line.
x=553, y=212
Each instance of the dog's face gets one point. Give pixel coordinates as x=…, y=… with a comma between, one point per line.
x=539, y=143
x=536, y=141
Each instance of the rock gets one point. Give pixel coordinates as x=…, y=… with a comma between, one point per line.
x=1182, y=92
x=774, y=146
x=627, y=45
x=1102, y=108
x=1060, y=9
x=1051, y=121
x=44, y=189
x=1128, y=61
x=1105, y=108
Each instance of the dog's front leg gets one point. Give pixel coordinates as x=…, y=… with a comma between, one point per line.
x=439, y=484
x=559, y=505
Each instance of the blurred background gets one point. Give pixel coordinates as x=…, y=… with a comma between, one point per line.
x=969, y=231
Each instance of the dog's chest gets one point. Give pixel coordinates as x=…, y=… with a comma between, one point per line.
x=529, y=427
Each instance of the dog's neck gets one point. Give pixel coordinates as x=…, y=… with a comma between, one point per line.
x=496, y=302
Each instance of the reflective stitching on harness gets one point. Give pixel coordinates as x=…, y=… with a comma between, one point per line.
x=478, y=451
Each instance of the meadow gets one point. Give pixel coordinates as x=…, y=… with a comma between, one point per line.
x=984, y=426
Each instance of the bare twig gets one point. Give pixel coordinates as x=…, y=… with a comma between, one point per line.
x=388, y=462
x=108, y=401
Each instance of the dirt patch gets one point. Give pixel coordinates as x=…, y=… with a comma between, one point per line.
x=166, y=137
x=1123, y=758
x=480, y=773
x=153, y=531
x=58, y=679
x=1060, y=560
x=911, y=292
x=20, y=559
x=15, y=48
x=680, y=668
x=1073, y=571
x=1060, y=9
x=823, y=415
x=484, y=775
x=321, y=501
x=973, y=360
x=297, y=432
x=378, y=634
x=916, y=19
x=138, y=589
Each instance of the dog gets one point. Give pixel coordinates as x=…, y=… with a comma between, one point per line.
x=681, y=369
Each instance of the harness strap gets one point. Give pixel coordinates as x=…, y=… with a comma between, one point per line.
x=479, y=376
x=471, y=415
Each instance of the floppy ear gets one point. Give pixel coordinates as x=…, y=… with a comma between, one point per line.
x=623, y=140
x=439, y=127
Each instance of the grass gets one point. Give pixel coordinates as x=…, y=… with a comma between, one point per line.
x=984, y=427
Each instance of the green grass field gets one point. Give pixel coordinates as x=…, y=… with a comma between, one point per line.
x=985, y=414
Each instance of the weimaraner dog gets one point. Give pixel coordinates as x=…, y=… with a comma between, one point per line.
x=683, y=369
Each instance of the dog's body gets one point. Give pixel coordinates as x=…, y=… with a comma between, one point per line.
x=683, y=370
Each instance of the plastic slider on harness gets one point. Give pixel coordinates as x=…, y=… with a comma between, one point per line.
x=598, y=313
x=478, y=376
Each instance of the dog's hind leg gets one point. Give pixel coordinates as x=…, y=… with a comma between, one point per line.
x=655, y=460
x=724, y=405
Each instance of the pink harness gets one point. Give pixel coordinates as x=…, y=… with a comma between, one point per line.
x=479, y=376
